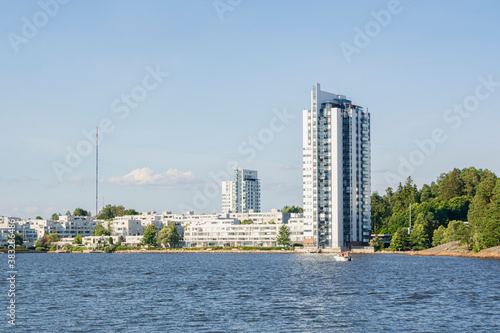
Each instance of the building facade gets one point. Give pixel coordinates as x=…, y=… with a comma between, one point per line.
x=227, y=196
x=336, y=172
x=66, y=226
x=274, y=215
x=134, y=225
x=18, y=226
x=242, y=194
x=231, y=233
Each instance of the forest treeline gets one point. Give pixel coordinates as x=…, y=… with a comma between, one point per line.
x=462, y=205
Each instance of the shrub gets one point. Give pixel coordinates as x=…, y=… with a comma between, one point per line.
x=108, y=249
x=40, y=249
x=124, y=248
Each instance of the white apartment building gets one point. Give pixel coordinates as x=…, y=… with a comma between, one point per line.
x=262, y=217
x=66, y=226
x=96, y=241
x=134, y=225
x=190, y=217
x=296, y=227
x=243, y=193
x=126, y=226
x=336, y=172
x=20, y=227
x=226, y=233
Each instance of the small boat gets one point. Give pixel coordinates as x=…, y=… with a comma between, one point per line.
x=342, y=257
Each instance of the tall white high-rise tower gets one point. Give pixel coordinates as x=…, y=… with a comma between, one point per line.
x=336, y=172
x=243, y=193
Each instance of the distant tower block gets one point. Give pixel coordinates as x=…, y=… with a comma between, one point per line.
x=243, y=193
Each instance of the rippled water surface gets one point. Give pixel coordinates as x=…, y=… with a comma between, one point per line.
x=253, y=293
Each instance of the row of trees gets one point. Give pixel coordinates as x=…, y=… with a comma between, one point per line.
x=292, y=209
x=461, y=205
x=109, y=212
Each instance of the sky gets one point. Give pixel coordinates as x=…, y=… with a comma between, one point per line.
x=184, y=91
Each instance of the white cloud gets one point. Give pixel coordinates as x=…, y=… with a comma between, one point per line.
x=147, y=176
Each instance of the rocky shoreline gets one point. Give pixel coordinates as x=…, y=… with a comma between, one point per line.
x=454, y=249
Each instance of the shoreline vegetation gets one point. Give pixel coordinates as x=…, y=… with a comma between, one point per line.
x=452, y=249
x=461, y=205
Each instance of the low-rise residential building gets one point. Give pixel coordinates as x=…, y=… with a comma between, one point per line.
x=66, y=226
x=231, y=233
x=134, y=225
x=19, y=227
x=188, y=217
x=94, y=241
x=126, y=226
x=260, y=217
x=202, y=229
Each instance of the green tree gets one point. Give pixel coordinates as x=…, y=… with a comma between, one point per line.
x=419, y=238
x=44, y=240
x=484, y=215
x=149, y=235
x=80, y=212
x=400, y=240
x=110, y=240
x=381, y=212
x=425, y=193
x=163, y=236
x=38, y=218
x=100, y=230
x=376, y=243
x=52, y=238
x=54, y=217
x=493, y=219
x=18, y=239
x=38, y=243
x=421, y=234
x=439, y=236
x=450, y=185
x=130, y=212
x=458, y=231
x=470, y=177
x=458, y=207
x=111, y=211
x=168, y=235
x=247, y=222
x=78, y=239
x=292, y=209
x=283, y=237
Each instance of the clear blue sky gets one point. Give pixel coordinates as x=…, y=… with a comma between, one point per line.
x=226, y=79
